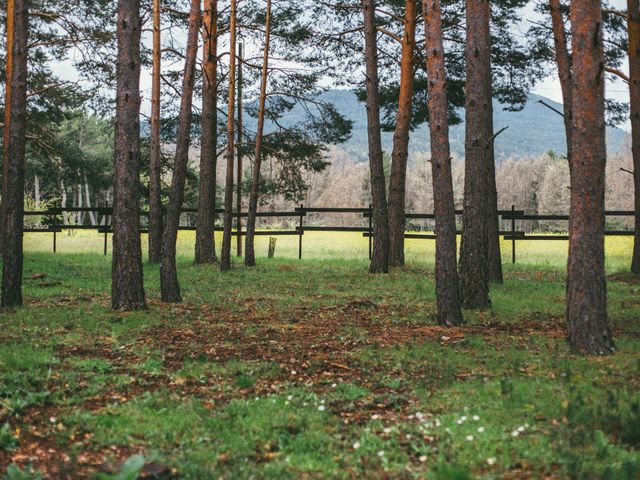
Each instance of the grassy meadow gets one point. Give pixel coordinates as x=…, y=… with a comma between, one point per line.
x=312, y=369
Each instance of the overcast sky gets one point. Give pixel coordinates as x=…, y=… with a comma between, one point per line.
x=550, y=87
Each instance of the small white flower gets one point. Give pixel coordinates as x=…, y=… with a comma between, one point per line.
x=470, y=438
x=387, y=430
x=334, y=385
x=293, y=372
x=290, y=397
x=286, y=402
x=322, y=401
x=491, y=460
x=463, y=418
x=438, y=422
x=515, y=433
x=419, y=416
x=381, y=453
x=375, y=416
x=448, y=430
x=476, y=418
x=356, y=445
x=526, y=425
x=422, y=458
x=480, y=429
x=321, y=408
x=521, y=429
x=408, y=436
x=459, y=421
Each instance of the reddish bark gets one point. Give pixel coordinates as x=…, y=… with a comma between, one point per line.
x=155, y=204
x=7, y=100
x=398, y=176
x=587, y=324
x=205, y=251
x=14, y=148
x=447, y=281
x=250, y=254
x=127, y=288
x=633, y=11
x=474, y=247
x=380, y=254
x=169, y=286
x=225, y=257
x=239, y=147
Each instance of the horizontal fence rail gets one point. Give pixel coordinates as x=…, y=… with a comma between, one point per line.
x=54, y=217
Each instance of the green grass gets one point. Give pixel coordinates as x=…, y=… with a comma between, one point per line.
x=315, y=369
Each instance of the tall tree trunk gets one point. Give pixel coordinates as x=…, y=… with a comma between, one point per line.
x=380, y=254
x=169, y=286
x=87, y=193
x=447, y=281
x=563, y=61
x=80, y=194
x=587, y=324
x=250, y=254
x=494, y=259
x=633, y=11
x=205, y=241
x=225, y=257
x=474, y=269
x=7, y=106
x=398, y=177
x=239, y=148
x=127, y=287
x=155, y=162
x=13, y=174
x=36, y=191
x=63, y=202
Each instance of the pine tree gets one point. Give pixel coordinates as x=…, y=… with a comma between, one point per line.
x=127, y=290
x=447, y=281
x=588, y=329
x=205, y=251
x=169, y=286
x=14, y=148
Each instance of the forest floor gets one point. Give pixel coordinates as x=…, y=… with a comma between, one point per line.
x=311, y=369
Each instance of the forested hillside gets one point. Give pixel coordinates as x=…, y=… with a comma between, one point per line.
x=532, y=131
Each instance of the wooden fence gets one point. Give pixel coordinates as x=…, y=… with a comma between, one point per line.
x=55, y=224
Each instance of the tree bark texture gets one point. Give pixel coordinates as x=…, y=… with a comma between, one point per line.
x=169, y=286
x=7, y=104
x=155, y=203
x=380, y=254
x=563, y=62
x=249, y=253
x=239, y=148
x=633, y=10
x=400, y=153
x=587, y=324
x=14, y=149
x=225, y=260
x=447, y=281
x=127, y=288
x=205, y=239
x=474, y=257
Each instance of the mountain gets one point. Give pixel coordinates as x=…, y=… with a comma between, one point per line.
x=532, y=131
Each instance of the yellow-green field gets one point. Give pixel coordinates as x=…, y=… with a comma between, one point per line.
x=348, y=246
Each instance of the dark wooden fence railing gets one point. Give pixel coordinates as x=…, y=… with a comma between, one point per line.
x=55, y=224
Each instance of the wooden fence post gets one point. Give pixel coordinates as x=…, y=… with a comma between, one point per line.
x=370, y=231
x=513, y=234
x=300, y=232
